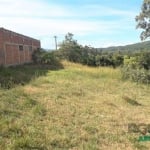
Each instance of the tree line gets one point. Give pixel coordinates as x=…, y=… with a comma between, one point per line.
x=134, y=66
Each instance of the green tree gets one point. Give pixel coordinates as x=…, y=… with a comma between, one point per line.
x=117, y=59
x=144, y=60
x=143, y=19
x=70, y=49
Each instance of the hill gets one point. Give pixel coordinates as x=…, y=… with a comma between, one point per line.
x=142, y=46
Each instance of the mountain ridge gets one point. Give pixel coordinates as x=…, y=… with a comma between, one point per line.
x=144, y=46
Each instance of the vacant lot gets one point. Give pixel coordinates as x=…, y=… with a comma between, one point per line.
x=75, y=108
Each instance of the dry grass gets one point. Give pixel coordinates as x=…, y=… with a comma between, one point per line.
x=78, y=108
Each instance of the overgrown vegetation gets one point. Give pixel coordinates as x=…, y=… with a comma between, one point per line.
x=137, y=68
x=54, y=104
x=46, y=58
x=74, y=52
x=11, y=77
x=134, y=66
x=78, y=107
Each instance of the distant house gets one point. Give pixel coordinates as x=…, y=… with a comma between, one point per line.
x=16, y=48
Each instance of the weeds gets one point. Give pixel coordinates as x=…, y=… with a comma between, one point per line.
x=21, y=75
x=131, y=101
x=78, y=107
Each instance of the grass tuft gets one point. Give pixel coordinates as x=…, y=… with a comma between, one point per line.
x=131, y=101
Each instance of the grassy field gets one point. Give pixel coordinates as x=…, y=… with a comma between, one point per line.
x=73, y=108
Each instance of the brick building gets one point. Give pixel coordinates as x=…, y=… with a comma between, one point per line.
x=15, y=48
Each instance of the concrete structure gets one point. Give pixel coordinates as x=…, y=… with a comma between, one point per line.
x=15, y=48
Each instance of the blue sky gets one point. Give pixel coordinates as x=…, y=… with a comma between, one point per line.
x=99, y=23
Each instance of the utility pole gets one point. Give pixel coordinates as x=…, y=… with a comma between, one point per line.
x=55, y=37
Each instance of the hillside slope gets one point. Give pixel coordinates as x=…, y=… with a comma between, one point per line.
x=132, y=47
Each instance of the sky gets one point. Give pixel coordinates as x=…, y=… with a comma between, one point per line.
x=96, y=23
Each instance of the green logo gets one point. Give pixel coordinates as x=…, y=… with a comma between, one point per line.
x=144, y=138
x=142, y=128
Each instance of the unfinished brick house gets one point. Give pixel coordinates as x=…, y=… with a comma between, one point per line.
x=15, y=48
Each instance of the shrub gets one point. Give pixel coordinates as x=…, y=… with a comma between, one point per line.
x=38, y=55
x=45, y=57
x=136, y=74
x=134, y=70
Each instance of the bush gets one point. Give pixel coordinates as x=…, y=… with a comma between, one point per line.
x=38, y=55
x=45, y=57
x=135, y=70
x=136, y=74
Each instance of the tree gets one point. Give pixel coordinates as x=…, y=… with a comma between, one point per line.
x=70, y=49
x=144, y=60
x=143, y=20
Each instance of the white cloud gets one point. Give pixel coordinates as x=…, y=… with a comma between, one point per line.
x=37, y=8
x=39, y=19
x=98, y=10
x=40, y=26
x=32, y=8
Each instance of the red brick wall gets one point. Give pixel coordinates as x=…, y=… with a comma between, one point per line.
x=1, y=49
x=16, y=59
x=9, y=47
x=26, y=50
